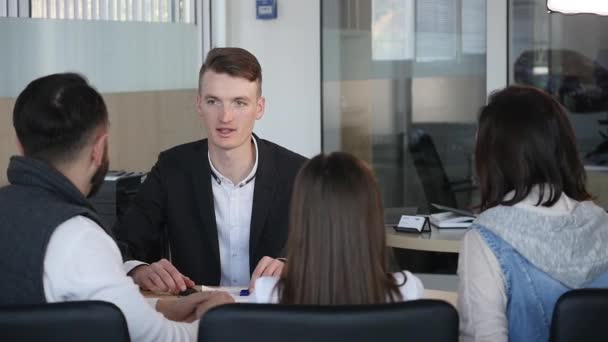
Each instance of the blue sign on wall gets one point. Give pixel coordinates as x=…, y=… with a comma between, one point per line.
x=266, y=9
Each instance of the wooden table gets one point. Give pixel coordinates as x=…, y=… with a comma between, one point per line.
x=450, y=297
x=438, y=240
x=597, y=183
x=233, y=291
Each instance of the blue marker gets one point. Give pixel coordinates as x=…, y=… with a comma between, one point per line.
x=244, y=293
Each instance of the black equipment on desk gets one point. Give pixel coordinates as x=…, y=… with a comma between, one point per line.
x=115, y=195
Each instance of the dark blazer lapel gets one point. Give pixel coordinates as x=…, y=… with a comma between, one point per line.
x=263, y=194
x=204, y=195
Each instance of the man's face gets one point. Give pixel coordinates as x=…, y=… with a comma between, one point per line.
x=229, y=107
x=100, y=174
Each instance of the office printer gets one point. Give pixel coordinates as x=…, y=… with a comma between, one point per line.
x=115, y=195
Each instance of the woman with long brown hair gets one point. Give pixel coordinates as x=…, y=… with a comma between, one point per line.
x=539, y=233
x=336, y=249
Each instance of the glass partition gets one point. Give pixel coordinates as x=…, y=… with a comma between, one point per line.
x=402, y=84
x=567, y=55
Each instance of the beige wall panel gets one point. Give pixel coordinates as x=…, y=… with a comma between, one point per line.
x=8, y=146
x=142, y=125
x=447, y=99
x=357, y=119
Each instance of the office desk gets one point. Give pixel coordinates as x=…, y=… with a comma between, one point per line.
x=438, y=240
x=450, y=297
x=233, y=291
x=597, y=183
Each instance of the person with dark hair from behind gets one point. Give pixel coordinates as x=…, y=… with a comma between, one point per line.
x=53, y=248
x=539, y=233
x=336, y=246
x=220, y=204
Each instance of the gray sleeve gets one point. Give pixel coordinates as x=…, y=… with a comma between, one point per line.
x=482, y=300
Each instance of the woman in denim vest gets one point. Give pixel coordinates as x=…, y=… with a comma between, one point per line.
x=539, y=233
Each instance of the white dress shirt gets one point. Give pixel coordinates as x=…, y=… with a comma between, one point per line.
x=82, y=262
x=266, y=288
x=233, y=204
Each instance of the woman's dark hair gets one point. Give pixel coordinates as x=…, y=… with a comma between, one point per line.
x=336, y=246
x=525, y=139
x=55, y=115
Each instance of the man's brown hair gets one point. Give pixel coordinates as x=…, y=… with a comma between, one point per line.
x=336, y=246
x=232, y=61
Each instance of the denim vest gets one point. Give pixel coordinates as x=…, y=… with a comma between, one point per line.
x=531, y=293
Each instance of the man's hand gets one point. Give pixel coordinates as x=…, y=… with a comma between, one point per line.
x=266, y=267
x=160, y=276
x=192, y=307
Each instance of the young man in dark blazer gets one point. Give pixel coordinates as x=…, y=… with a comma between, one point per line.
x=221, y=203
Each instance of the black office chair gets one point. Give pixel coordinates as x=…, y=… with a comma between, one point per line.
x=438, y=188
x=91, y=321
x=418, y=320
x=580, y=315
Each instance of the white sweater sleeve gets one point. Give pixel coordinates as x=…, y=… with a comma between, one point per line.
x=83, y=263
x=128, y=266
x=266, y=288
x=412, y=288
x=265, y=291
x=482, y=300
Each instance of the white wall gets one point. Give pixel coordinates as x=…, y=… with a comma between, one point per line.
x=289, y=50
x=115, y=56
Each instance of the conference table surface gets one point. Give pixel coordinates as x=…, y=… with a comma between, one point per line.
x=437, y=240
x=450, y=297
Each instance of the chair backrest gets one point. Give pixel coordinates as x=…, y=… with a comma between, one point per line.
x=580, y=315
x=91, y=321
x=418, y=320
x=430, y=170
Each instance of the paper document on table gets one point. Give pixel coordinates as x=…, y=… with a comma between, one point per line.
x=450, y=220
x=235, y=292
